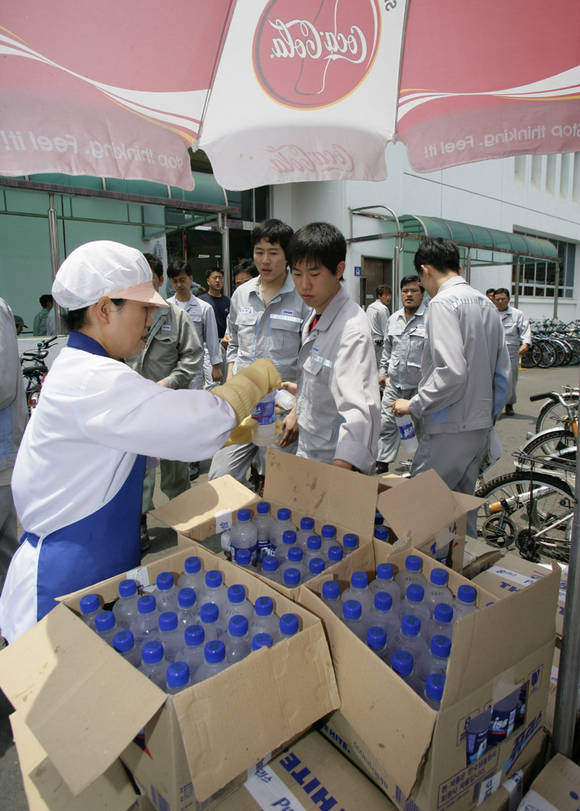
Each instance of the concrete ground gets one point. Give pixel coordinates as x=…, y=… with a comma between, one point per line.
x=512, y=432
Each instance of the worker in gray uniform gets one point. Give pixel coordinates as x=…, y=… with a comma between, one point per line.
x=400, y=364
x=518, y=337
x=265, y=321
x=338, y=404
x=378, y=314
x=465, y=371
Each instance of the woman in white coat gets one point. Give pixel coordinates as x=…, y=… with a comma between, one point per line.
x=78, y=477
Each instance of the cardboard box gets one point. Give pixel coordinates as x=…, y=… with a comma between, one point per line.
x=413, y=753
x=85, y=704
x=557, y=787
x=551, y=708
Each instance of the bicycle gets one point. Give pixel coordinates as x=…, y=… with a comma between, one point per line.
x=554, y=412
x=553, y=444
x=36, y=372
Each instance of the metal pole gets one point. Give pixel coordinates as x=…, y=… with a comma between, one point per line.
x=569, y=672
x=225, y=232
x=54, y=257
x=556, y=289
x=517, y=285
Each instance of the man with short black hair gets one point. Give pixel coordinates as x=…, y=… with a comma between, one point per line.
x=518, y=337
x=378, y=314
x=39, y=325
x=490, y=293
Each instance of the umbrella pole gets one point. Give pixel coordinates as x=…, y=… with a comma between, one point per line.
x=569, y=672
x=54, y=257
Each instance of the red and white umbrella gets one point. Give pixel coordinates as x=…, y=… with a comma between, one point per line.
x=286, y=90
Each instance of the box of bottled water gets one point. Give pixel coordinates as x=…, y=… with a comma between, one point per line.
x=443, y=685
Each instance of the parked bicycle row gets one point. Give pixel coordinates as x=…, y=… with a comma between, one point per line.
x=554, y=344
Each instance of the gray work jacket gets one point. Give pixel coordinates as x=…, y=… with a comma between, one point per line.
x=516, y=327
x=403, y=348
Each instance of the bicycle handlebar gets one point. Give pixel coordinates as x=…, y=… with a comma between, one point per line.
x=549, y=395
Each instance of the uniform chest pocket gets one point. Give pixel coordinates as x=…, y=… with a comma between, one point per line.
x=285, y=333
x=246, y=319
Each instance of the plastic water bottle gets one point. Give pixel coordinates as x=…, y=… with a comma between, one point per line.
x=90, y=605
x=271, y=568
x=193, y=575
x=414, y=603
x=125, y=609
x=238, y=639
x=245, y=559
x=265, y=621
x=331, y=596
x=377, y=641
x=153, y=664
x=187, y=609
x=335, y=554
x=237, y=603
x=211, y=622
x=145, y=626
x=349, y=542
x=166, y=593
x=359, y=590
x=465, y=603
x=192, y=651
x=263, y=522
x=215, y=590
x=265, y=431
x=124, y=643
x=244, y=535
x=288, y=626
x=214, y=654
x=433, y=693
x=385, y=581
x=407, y=433
x=384, y=615
x=442, y=622
x=352, y=616
x=379, y=518
x=313, y=548
x=381, y=533
x=105, y=626
x=403, y=664
x=410, y=574
x=262, y=640
x=171, y=634
x=409, y=637
x=282, y=524
x=315, y=567
x=437, y=590
x=291, y=578
x=306, y=529
x=295, y=561
x=288, y=541
x=176, y=677
x=328, y=537
x=437, y=658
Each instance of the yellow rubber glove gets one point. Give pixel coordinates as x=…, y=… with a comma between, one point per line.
x=246, y=388
x=244, y=433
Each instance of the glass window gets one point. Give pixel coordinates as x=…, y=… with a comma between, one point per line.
x=538, y=278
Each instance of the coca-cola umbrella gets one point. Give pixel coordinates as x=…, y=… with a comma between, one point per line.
x=285, y=90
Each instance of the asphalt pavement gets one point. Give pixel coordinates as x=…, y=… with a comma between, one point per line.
x=512, y=432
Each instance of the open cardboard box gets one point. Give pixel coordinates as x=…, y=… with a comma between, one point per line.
x=85, y=704
x=556, y=787
x=407, y=748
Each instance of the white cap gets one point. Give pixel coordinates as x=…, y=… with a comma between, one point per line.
x=104, y=268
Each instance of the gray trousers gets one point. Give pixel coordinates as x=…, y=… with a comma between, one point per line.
x=174, y=481
x=8, y=530
x=389, y=437
x=514, y=353
x=235, y=460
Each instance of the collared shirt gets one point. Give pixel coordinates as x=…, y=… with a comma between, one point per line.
x=203, y=317
x=221, y=308
x=378, y=316
x=403, y=348
x=272, y=330
x=516, y=327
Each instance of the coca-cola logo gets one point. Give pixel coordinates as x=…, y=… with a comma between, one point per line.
x=293, y=159
x=307, y=59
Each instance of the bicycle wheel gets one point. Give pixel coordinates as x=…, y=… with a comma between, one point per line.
x=528, y=510
x=548, y=354
x=557, y=444
x=552, y=414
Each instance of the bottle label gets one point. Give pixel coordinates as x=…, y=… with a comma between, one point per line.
x=407, y=431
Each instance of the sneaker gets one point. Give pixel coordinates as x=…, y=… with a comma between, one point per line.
x=509, y=410
x=382, y=467
x=193, y=471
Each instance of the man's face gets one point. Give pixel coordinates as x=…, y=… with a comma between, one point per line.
x=491, y=296
x=270, y=260
x=386, y=299
x=427, y=277
x=501, y=302
x=241, y=277
x=411, y=296
x=157, y=280
x=215, y=282
x=182, y=286
x=315, y=283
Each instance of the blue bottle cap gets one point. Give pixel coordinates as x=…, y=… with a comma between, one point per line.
x=164, y=581
x=439, y=577
x=289, y=536
x=291, y=577
x=328, y=531
x=263, y=507
x=316, y=565
x=359, y=580
x=381, y=533
x=288, y=624
x=440, y=646
x=194, y=635
x=335, y=553
x=262, y=641
x=270, y=563
x=307, y=523
x=313, y=542
x=383, y=601
x=434, y=686
x=443, y=612
x=410, y=625
x=123, y=641
x=146, y=604
x=378, y=517
x=177, y=675
x=214, y=651
x=264, y=606
x=351, y=610
x=213, y=578
x=283, y=514
x=331, y=590
x=350, y=540
x=167, y=621
x=127, y=588
x=413, y=563
x=243, y=557
x=89, y=603
x=243, y=514
x=238, y=625
x=385, y=571
x=152, y=652
x=402, y=662
x=466, y=594
x=209, y=612
x=376, y=637
x=295, y=554
x=236, y=593
x=104, y=621
x=415, y=593
x=192, y=565
x=186, y=597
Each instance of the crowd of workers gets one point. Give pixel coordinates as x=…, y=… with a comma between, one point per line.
x=145, y=378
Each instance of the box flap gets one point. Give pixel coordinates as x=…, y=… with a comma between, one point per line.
x=313, y=488
x=66, y=681
x=557, y=786
x=200, y=511
x=45, y=789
